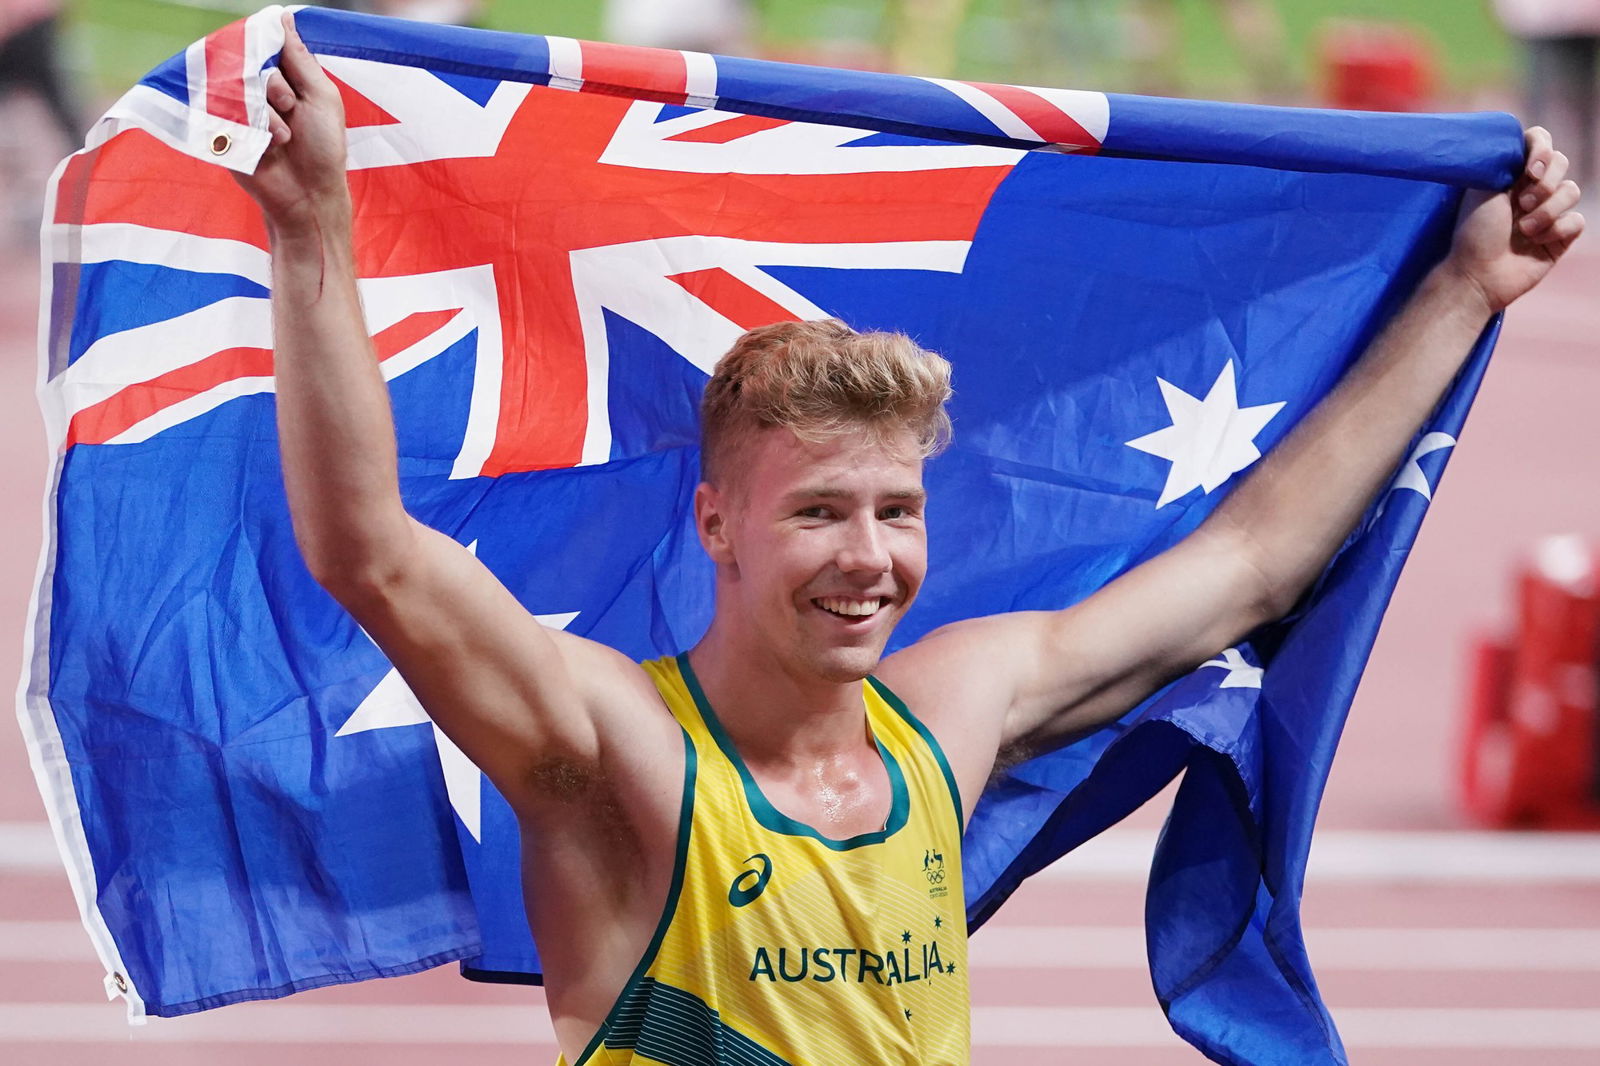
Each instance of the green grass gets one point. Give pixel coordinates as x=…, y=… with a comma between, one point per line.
x=1472, y=52
x=1061, y=42
x=116, y=41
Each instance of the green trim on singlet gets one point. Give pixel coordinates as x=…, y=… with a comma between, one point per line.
x=933, y=745
x=674, y=1026
x=679, y=862
x=774, y=819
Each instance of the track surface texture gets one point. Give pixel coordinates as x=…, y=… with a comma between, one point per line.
x=1434, y=944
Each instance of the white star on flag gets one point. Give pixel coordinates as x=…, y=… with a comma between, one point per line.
x=392, y=703
x=1209, y=440
x=1240, y=673
x=1411, y=475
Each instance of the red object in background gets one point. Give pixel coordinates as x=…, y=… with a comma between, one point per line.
x=1532, y=751
x=1376, y=66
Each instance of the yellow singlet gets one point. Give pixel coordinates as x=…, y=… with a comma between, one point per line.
x=781, y=947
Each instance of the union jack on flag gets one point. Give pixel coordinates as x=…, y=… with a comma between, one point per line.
x=556, y=241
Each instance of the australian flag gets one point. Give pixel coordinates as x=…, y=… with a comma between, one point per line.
x=556, y=241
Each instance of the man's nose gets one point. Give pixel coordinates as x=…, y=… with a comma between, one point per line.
x=864, y=549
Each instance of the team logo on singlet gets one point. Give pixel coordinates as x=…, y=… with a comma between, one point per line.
x=750, y=883
x=933, y=870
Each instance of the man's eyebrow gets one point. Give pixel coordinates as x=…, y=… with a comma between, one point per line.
x=829, y=492
x=818, y=492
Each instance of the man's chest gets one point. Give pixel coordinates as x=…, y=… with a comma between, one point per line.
x=839, y=797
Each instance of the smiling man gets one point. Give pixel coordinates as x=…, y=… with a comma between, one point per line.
x=752, y=852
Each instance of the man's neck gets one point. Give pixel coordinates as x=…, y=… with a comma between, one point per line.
x=772, y=715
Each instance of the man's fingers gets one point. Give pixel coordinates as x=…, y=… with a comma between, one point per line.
x=279, y=95
x=277, y=127
x=1540, y=218
x=298, y=65
x=1560, y=233
x=1555, y=172
x=1536, y=141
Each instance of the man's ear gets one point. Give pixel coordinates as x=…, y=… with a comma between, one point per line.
x=711, y=522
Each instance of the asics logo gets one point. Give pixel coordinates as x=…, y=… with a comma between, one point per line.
x=749, y=884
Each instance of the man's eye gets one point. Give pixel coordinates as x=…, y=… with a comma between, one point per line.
x=813, y=512
x=892, y=514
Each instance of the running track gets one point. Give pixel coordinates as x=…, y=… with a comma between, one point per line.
x=1434, y=944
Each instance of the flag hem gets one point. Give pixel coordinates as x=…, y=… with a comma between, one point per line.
x=34, y=711
x=246, y=995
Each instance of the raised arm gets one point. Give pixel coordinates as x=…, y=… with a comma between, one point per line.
x=533, y=708
x=1049, y=677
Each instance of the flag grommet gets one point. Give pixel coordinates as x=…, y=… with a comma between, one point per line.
x=120, y=981
x=220, y=144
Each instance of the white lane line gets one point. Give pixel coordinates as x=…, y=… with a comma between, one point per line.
x=1058, y=1027
x=28, y=846
x=1361, y=1027
x=281, y=1023
x=1464, y=1027
x=1376, y=857
x=1056, y=947
x=44, y=941
x=1124, y=854
x=1066, y=947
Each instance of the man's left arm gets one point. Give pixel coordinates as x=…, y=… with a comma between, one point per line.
x=1032, y=681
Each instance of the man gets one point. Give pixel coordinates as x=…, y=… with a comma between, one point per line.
x=752, y=852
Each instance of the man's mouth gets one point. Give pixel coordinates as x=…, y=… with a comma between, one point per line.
x=850, y=608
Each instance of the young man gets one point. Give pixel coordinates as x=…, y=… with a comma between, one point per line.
x=752, y=852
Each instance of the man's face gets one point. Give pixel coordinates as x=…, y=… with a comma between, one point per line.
x=820, y=547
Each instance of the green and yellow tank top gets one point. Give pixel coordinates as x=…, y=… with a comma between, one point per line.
x=779, y=945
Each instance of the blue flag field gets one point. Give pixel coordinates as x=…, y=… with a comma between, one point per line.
x=556, y=241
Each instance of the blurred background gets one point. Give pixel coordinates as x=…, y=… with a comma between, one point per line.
x=1453, y=906
x=1214, y=47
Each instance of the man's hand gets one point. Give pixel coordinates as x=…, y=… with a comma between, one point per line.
x=1506, y=242
x=301, y=175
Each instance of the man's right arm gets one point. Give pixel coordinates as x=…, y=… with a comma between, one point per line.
x=530, y=706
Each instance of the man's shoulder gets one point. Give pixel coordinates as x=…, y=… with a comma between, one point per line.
x=961, y=655
x=604, y=671
x=951, y=676
x=949, y=681
x=634, y=740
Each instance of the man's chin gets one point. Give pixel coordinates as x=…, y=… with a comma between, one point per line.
x=841, y=666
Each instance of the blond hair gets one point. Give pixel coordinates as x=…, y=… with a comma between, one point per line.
x=821, y=379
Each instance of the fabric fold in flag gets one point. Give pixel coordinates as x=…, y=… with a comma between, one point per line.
x=556, y=241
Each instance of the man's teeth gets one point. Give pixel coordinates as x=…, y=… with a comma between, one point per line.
x=853, y=608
